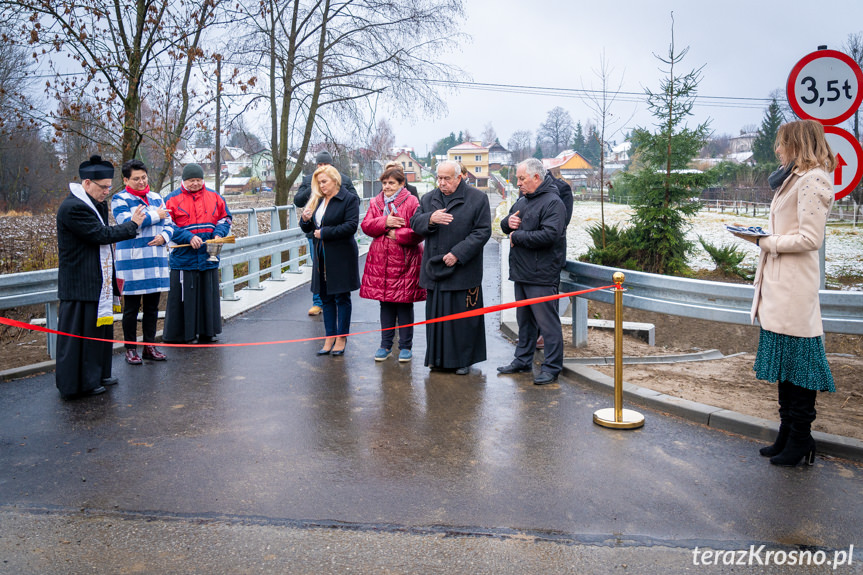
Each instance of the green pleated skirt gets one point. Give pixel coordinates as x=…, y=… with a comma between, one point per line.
x=800, y=360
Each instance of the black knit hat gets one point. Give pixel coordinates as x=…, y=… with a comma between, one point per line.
x=96, y=169
x=324, y=158
x=193, y=172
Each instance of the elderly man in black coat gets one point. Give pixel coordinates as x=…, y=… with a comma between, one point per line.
x=455, y=220
x=86, y=283
x=537, y=233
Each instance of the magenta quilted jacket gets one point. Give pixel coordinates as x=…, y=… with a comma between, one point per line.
x=392, y=266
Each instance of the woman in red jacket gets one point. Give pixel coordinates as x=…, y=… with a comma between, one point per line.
x=392, y=269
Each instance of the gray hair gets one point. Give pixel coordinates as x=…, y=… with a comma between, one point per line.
x=456, y=167
x=533, y=167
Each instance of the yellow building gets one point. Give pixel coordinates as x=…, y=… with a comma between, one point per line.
x=570, y=166
x=474, y=157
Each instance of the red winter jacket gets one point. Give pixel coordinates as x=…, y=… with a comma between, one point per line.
x=392, y=269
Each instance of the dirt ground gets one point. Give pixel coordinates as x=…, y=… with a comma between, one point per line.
x=728, y=383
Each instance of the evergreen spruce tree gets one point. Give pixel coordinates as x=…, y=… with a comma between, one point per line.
x=762, y=147
x=578, y=139
x=592, y=148
x=663, y=188
x=538, y=152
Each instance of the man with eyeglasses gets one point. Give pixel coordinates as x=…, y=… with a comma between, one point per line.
x=455, y=220
x=86, y=283
x=142, y=262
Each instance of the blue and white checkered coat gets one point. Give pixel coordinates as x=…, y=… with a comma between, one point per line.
x=143, y=268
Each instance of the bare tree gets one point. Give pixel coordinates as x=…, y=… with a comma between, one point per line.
x=854, y=48
x=118, y=46
x=716, y=147
x=30, y=175
x=557, y=129
x=488, y=134
x=608, y=124
x=327, y=58
x=521, y=145
x=382, y=140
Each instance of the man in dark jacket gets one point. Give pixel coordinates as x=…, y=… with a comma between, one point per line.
x=537, y=234
x=304, y=192
x=455, y=220
x=564, y=190
x=86, y=283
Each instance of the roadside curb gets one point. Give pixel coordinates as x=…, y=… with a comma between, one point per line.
x=707, y=415
x=710, y=416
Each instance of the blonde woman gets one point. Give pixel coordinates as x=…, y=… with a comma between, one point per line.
x=332, y=216
x=790, y=349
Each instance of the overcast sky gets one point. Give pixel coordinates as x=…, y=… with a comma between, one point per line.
x=747, y=48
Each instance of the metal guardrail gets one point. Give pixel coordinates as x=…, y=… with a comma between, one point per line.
x=40, y=287
x=841, y=311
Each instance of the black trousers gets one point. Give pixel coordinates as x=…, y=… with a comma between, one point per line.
x=393, y=313
x=131, y=305
x=539, y=318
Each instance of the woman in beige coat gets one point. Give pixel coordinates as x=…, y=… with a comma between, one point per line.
x=790, y=348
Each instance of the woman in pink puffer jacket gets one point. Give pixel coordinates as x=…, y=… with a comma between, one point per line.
x=393, y=263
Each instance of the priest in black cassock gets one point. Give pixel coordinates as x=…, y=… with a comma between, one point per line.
x=455, y=220
x=86, y=283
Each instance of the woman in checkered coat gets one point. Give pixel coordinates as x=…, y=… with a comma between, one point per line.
x=142, y=263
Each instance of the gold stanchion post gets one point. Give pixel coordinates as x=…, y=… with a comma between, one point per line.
x=617, y=417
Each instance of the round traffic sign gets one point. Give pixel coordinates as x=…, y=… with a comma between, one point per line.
x=849, y=160
x=826, y=85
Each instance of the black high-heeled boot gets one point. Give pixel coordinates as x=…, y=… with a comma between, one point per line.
x=800, y=445
x=784, y=393
x=779, y=444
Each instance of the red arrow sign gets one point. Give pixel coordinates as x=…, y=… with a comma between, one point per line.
x=849, y=160
x=837, y=173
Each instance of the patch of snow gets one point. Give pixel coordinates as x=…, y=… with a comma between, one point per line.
x=844, y=246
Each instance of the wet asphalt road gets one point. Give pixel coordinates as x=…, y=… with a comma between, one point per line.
x=271, y=459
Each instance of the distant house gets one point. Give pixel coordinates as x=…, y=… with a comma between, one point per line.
x=234, y=160
x=235, y=185
x=742, y=143
x=474, y=157
x=746, y=157
x=204, y=157
x=498, y=157
x=572, y=166
x=619, y=154
x=410, y=166
x=262, y=166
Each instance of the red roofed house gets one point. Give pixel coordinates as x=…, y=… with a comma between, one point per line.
x=573, y=168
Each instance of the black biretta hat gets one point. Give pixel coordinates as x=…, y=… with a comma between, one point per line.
x=96, y=169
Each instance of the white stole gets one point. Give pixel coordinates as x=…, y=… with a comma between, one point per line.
x=108, y=303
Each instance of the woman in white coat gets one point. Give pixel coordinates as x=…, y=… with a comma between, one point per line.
x=790, y=348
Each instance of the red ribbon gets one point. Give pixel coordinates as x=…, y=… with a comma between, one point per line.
x=464, y=314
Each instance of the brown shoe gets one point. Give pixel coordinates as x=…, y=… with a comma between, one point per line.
x=315, y=310
x=132, y=357
x=150, y=352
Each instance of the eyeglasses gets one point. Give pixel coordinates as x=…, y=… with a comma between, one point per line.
x=100, y=186
x=138, y=179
